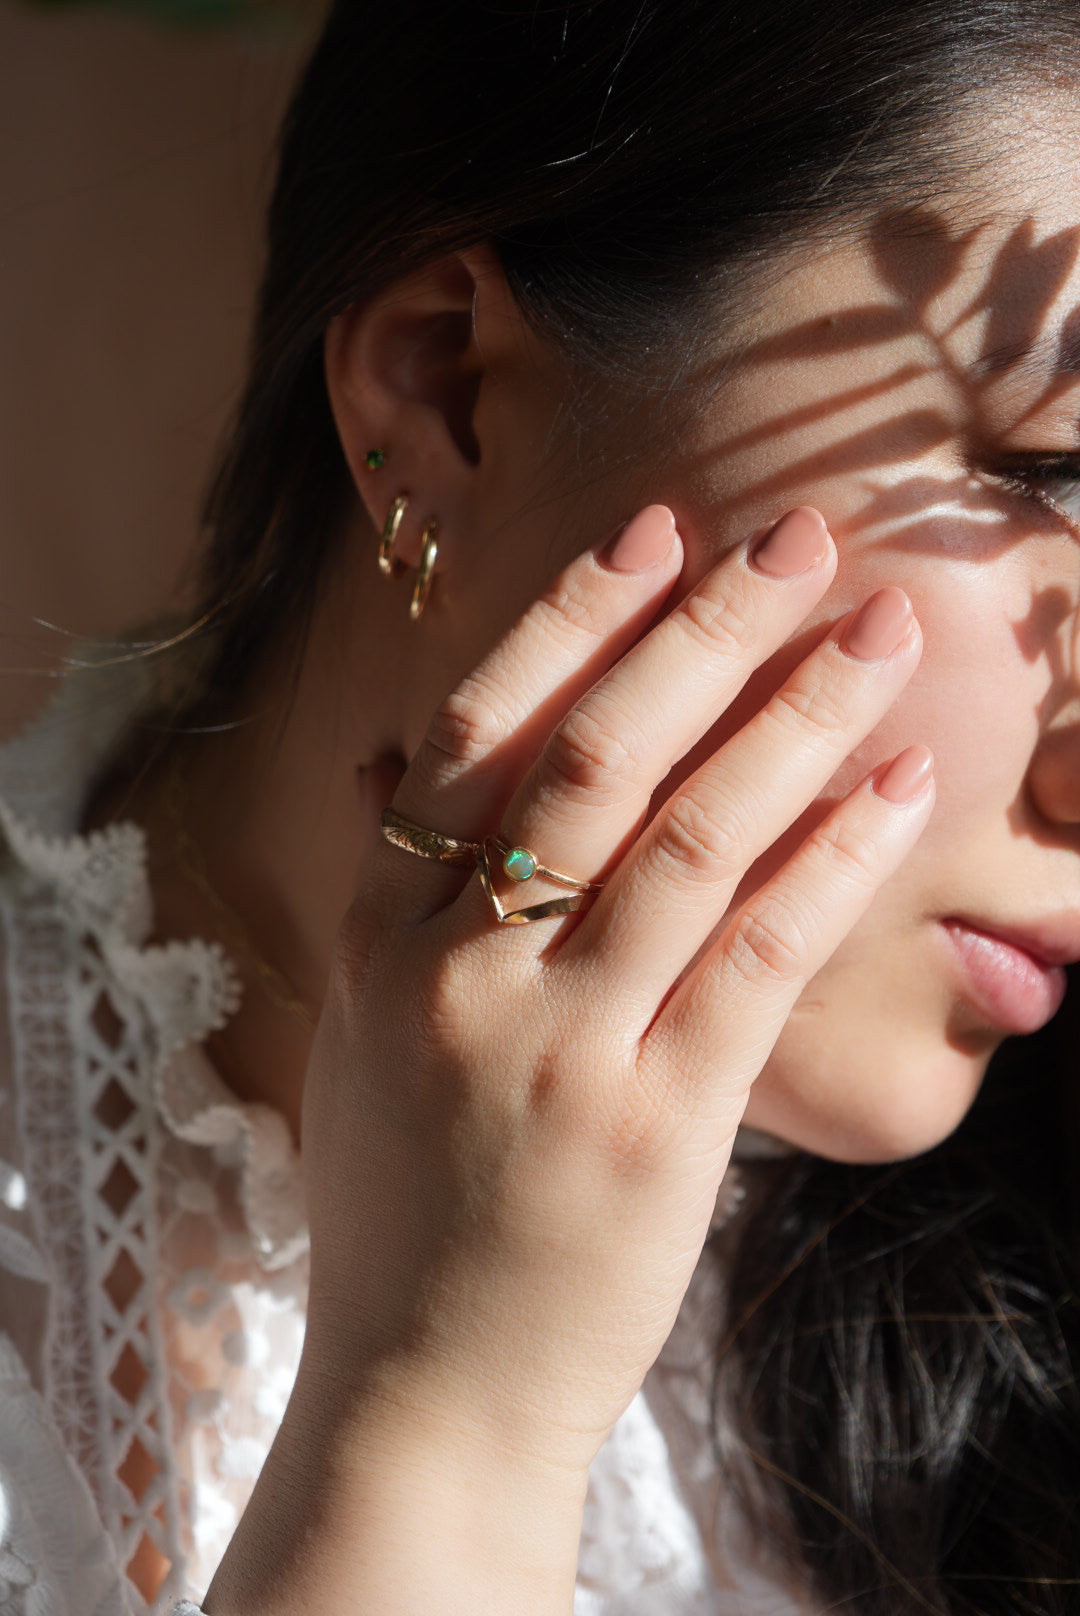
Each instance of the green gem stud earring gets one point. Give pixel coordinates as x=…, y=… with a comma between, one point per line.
x=374, y=459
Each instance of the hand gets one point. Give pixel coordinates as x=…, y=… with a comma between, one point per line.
x=514, y=1136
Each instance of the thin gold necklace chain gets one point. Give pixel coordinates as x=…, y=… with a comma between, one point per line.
x=274, y=983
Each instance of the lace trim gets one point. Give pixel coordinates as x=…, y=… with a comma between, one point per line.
x=91, y=1179
x=197, y=1106
x=52, y=1554
x=188, y=989
x=107, y=1030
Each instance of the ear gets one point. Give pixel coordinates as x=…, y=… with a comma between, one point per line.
x=403, y=374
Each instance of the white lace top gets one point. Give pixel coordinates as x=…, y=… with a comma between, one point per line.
x=153, y=1251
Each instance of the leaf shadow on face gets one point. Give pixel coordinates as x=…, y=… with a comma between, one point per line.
x=918, y=255
x=1022, y=285
x=902, y=466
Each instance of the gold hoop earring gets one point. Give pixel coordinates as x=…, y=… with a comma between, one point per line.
x=389, y=565
x=422, y=587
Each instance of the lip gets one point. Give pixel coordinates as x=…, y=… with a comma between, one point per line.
x=1015, y=975
x=1054, y=940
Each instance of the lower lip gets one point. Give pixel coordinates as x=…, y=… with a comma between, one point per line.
x=1013, y=990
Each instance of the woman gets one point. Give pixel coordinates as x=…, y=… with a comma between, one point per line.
x=711, y=380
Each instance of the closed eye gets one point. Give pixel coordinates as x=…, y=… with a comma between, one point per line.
x=1052, y=480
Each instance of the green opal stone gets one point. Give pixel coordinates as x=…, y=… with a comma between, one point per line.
x=519, y=864
x=374, y=458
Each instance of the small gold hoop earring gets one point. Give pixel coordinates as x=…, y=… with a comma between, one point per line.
x=422, y=587
x=389, y=566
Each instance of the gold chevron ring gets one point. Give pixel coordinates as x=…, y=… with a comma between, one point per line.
x=518, y=864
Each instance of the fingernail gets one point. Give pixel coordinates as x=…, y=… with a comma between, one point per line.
x=646, y=539
x=905, y=776
x=878, y=626
x=799, y=541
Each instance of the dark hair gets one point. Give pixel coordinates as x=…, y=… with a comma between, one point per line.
x=636, y=163
x=903, y=1343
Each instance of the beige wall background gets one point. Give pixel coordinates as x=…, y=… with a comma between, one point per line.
x=135, y=165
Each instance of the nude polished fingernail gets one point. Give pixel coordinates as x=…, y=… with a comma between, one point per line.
x=646, y=539
x=905, y=776
x=878, y=626
x=799, y=541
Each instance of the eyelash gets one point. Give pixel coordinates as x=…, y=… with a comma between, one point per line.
x=1024, y=476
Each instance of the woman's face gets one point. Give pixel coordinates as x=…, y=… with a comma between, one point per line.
x=922, y=390
x=902, y=387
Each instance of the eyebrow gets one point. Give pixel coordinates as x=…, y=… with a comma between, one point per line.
x=1056, y=354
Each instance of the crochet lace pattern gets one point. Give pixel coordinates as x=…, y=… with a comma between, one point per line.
x=111, y=1085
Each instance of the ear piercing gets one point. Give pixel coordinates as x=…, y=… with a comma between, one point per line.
x=422, y=587
x=389, y=564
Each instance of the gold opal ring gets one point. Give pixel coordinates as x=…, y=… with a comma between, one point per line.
x=518, y=864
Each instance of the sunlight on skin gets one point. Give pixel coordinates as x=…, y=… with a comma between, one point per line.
x=848, y=390
x=904, y=417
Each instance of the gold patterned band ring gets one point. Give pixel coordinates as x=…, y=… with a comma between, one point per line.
x=518, y=864
x=428, y=844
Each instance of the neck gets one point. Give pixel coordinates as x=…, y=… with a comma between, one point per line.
x=279, y=811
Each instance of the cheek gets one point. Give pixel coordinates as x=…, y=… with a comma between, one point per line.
x=869, y=1066
x=974, y=699
x=866, y=1068
x=862, y=1082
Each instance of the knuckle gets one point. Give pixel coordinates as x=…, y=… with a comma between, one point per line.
x=352, y=960
x=766, y=945
x=720, y=623
x=849, y=852
x=465, y=727
x=690, y=844
x=633, y=1131
x=635, y=1144
x=569, y=613
x=820, y=707
x=586, y=757
x=441, y=1021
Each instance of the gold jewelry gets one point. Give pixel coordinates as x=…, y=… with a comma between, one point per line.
x=521, y=865
x=535, y=911
x=422, y=587
x=273, y=982
x=428, y=844
x=518, y=864
x=389, y=566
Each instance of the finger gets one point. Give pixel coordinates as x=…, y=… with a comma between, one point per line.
x=488, y=729
x=584, y=799
x=737, y=999
x=674, y=887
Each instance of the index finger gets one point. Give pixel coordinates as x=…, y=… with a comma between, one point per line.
x=484, y=735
